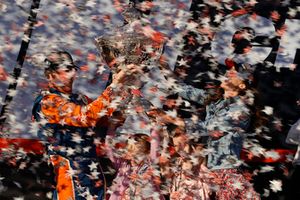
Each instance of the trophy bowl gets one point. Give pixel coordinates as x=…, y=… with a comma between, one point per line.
x=126, y=48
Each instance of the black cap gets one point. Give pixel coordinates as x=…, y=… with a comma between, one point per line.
x=59, y=59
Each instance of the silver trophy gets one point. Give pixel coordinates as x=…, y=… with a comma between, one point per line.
x=129, y=45
x=126, y=44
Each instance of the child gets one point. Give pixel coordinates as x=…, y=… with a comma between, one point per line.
x=136, y=177
x=188, y=175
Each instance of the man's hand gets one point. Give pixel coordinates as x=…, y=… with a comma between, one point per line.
x=127, y=75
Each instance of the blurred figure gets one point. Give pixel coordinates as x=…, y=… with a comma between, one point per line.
x=3, y=74
x=293, y=137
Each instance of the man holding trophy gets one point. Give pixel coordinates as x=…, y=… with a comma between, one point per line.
x=66, y=122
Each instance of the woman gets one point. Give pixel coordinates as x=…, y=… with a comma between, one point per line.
x=227, y=119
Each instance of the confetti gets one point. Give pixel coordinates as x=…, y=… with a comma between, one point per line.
x=180, y=51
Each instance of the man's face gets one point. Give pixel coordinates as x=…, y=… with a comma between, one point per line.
x=63, y=77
